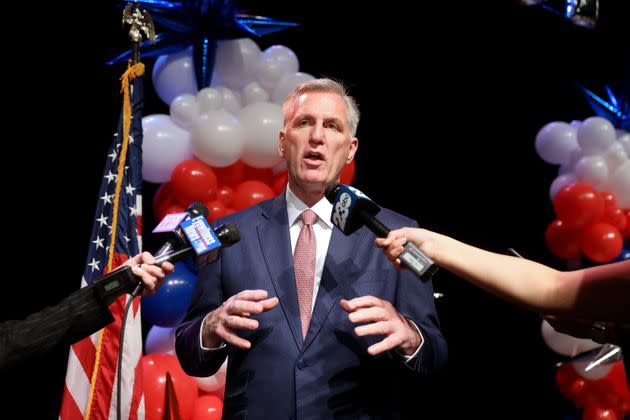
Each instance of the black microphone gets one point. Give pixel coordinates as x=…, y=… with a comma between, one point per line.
x=352, y=209
x=122, y=280
x=174, y=236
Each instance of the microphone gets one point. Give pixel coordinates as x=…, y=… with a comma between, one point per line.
x=122, y=280
x=169, y=227
x=352, y=209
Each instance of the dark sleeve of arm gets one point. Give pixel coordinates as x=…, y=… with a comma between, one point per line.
x=206, y=297
x=74, y=318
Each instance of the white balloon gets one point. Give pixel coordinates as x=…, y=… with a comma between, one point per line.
x=209, y=99
x=165, y=145
x=556, y=141
x=619, y=184
x=576, y=123
x=230, y=100
x=160, y=340
x=174, y=75
x=624, y=139
x=184, y=110
x=560, y=182
x=592, y=170
x=615, y=156
x=237, y=62
x=215, y=382
x=287, y=84
x=262, y=122
x=276, y=62
x=565, y=344
x=593, y=374
x=253, y=93
x=217, y=138
x=595, y=135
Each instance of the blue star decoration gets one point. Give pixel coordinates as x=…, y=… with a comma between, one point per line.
x=616, y=110
x=200, y=23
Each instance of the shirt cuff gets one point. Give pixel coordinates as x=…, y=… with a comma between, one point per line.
x=409, y=358
x=201, y=338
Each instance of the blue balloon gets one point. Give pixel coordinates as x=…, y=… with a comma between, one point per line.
x=167, y=307
x=625, y=255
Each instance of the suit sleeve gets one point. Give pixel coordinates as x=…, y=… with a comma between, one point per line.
x=206, y=297
x=74, y=318
x=415, y=301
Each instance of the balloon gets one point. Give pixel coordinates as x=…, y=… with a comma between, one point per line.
x=592, y=170
x=555, y=142
x=184, y=110
x=174, y=75
x=562, y=241
x=276, y=62
x=193, y=180
x=598, y=413
x=208, y=407
x=217, y=138
x=261, y=123
x=155, y=366
x=215, y=383
x=596, y=373
x=564, y=344
x=619, y=184
x=347, y=173
x=160, y=340
x=215, y=207
x=615, y=156
x=560, y=182
x=616, y=218
x=230, y=100
x=624, y=255
x=578, y=205
x=162, y=199
x=258, y=174
x=167, y=307
x=287, y=84
x=595, y=135
x=624, y=140
x=601, y=242
x=237, y=61
x=571, y=385
x=165, y=144
x=209, y=99
x=254, y=93
x=231, y=175
x=280, y=182
x=251, y=192
x=226, y=195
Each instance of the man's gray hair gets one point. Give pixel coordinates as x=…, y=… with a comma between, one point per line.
x=324, y=85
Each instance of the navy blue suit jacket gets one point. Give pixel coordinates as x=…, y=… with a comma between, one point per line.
x=329, y=374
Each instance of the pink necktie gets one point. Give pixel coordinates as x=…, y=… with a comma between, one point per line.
x=304, y=266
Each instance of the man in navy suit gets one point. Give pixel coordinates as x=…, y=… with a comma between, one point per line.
x=316, y=325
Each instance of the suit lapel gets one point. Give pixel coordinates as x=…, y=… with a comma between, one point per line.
x=339, y=268
x=275, y=242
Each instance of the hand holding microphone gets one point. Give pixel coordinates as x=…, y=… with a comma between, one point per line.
x=352, y=210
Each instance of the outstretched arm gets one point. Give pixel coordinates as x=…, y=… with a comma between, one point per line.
x=599, y=292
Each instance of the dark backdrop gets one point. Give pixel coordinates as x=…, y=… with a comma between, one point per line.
x=452, y=96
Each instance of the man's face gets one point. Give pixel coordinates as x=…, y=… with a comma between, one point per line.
x=316, y=141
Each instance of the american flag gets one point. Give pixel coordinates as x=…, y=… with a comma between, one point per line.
x=90, y=387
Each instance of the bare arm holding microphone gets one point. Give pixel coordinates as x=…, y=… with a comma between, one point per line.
x=82, y=313
x=595, y=293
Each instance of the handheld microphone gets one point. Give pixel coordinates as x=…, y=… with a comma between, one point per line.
x=122, y=280
x=352, y=209
x=169, y=227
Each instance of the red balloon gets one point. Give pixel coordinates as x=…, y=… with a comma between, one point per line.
x=626, y=231
x=162, y=199
x=570, y=384
x=231, y=175
x=174, y=208
x=347, y=173
x=251, y=192
x=615, y=217
x=598, y=413
x=578, y=205
x=280, y=182
x=610, y=201
x=154, y=367
x=562, y=241
x=215, y=207
x=224, y=212
x=193, y=180
x=226, y=195
x=264, y=175
x=601, y=242
x=208, y=407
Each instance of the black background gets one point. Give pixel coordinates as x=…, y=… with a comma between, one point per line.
x=452, y=96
